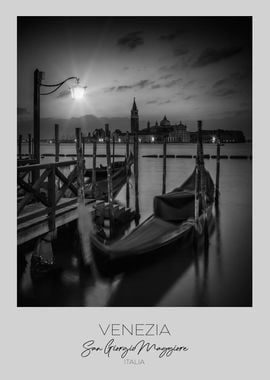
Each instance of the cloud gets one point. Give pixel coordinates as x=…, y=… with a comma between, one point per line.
x=220, y=82
x=131, y=41
x=124, y=87
x=166, y=76
x=189, y=83
x=109, y=89
x=151, y=102
x=239, y=76
x=190, y=97
x=172, y=35
x=165, y=102
x=165, y=68
x=173, y=82
x=181, y=51
x=223, y=92
x=141, y=84
x=209, y=55
x=154, y=86
x=233, y=79
x=22, y=111
x=238, y=113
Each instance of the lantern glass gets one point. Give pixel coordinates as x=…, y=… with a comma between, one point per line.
x=77, y=92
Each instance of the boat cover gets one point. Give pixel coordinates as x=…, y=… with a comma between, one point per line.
x=179, y=204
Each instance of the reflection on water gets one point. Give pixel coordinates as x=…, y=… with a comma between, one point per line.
x=195, y=275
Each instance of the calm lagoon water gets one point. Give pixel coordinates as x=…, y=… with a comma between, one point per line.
x=222, y=276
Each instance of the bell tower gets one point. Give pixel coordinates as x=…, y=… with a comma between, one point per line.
x=134, y=120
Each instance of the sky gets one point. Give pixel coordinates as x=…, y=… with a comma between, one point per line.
x=187, y=68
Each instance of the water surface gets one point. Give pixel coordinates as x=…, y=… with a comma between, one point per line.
x=219, y=276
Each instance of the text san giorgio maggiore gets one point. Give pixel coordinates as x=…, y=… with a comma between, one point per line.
x=143, y=345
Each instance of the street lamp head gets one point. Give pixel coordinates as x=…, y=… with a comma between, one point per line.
x=77, y=91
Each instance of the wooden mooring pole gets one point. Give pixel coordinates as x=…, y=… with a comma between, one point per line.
x=113, y=148
x=164, y=165
x=94, y=167
x=29, y=145
x=80, y=165
x=56, y=142
x=136, y=175
x=109, y=175
x=127, y=170
x=217, y=169
x=197, y=191
x=20, y=147
x=202, y=180
x=83, y=145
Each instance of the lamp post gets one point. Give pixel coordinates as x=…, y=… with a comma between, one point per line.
x=77, y=92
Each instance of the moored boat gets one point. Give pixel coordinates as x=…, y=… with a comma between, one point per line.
x=172, y=222
x=178, y=217
x=120, y=171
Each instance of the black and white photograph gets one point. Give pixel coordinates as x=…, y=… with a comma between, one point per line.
x=134, y=161
x=135, y=243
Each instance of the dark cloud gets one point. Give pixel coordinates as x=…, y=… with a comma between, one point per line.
x=220, y=82
x=22, y=111
x=165, y=102
x=109, y=89
x=154, y=86
x=189, y=83
x=239, y=76
x=210, y=55
x=124, y=87
x=181, y=51
x=173, y=82
x=172, y=35
x=238, y=113
x=166, y=76
x=243, y=113
x=190, y=97
x=151, y=102
x=164, y=68
x=131, y=40
x=141, y=84
x=234, y=79
x=224, y=92
x=168, y=84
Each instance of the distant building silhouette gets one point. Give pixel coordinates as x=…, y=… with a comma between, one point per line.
x=175, y=133
x=156, y=133
x=226, y=136
x=134, y=118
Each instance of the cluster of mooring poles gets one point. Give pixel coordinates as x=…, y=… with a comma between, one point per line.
x=200, y=178
x=80, y=149
x=200, y=187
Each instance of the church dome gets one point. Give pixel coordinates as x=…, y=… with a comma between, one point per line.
x=165, y=122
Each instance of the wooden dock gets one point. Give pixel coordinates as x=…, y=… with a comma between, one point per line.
x=33, y=222
x=48, y=202
x=51, y=201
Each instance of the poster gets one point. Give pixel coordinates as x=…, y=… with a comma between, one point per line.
x=163, y=330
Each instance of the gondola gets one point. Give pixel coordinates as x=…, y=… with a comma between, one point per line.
x=101, y=172
x=171, y=224
x=120, y=171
